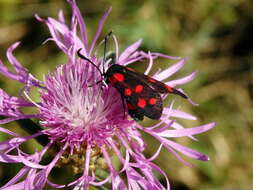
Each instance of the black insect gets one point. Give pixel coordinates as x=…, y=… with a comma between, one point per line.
x=139, y=92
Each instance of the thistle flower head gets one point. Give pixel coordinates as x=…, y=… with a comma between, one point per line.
x=83, y=122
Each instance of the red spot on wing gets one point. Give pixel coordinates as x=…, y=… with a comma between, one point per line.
x=112, y=80
x=141, y=103
x=152, y=101
x=127, y=92
x=118, y=77
x=130, y=106
x=138, y=88
x=169, y=88
x=151, y=80
x=130, y=69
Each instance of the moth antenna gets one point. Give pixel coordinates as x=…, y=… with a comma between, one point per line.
x=106, y=39
x=87, y=59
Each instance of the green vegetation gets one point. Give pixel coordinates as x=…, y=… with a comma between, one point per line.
x=215, y=36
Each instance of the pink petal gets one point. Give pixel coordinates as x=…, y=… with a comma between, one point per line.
x=81, y=23
x=156, y=153
x=128, y=51
x=54, y=33
x=17, y=186
x=155, y=54
x=100, y=27
x=186, y=151
x=8, y=132
x=149, y=65
x=61, y=16
x=181, y=81
x=170, y=71
x=16, y=64
x=29, y=163
x=188, y=131
x=58, y=186
x=16, y=178
x=6, y=158
x=176, y=125
x=8, y=120
x=179, y=114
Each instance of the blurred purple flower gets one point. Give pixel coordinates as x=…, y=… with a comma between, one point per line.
x=87, y=122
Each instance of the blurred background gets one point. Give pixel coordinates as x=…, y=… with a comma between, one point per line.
x=216, y=37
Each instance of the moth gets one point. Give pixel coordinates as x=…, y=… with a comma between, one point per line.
x=140, y=93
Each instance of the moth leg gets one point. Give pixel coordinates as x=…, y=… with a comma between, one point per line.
x=96, y=83
x=124, y=106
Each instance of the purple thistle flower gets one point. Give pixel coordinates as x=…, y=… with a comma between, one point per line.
x=86, y=122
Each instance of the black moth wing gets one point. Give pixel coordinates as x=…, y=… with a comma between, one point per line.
x=157, y=85
x=136, y=107
x=153, y=111
x=136, y=113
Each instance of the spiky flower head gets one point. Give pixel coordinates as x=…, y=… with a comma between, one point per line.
x=83, y=125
